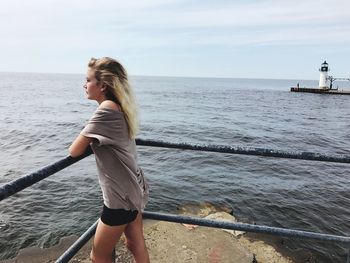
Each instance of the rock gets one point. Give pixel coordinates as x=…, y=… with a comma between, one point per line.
x=202, y=209
x=49, y=255
x=264, y=253
x=222, y=216
x=173, y=243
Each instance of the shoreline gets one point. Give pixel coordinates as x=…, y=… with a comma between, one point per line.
x=174, y=242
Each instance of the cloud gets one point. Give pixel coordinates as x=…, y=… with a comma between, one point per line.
x=99, y=19
x=165, y=26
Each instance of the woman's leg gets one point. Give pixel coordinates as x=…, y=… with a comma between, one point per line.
x=106, y=237
x=135, y=241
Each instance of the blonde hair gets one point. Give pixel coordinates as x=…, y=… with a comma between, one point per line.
x=114, y=77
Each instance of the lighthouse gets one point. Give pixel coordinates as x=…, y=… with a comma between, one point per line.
x=324, y=76
x=325, y=84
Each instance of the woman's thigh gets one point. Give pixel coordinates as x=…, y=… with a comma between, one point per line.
x=134, y=231
x=106, y=238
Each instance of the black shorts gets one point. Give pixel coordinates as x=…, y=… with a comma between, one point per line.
x=117, y=217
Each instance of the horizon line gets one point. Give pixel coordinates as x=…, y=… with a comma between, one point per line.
x=161, y=76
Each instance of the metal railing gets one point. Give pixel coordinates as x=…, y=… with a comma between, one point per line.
x=17, y=185
x=310, y=156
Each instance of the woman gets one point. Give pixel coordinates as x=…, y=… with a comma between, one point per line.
x=111, y=132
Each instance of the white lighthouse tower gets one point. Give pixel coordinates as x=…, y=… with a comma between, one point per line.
x=323, y=84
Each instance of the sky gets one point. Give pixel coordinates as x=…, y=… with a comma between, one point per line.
x=193, y=38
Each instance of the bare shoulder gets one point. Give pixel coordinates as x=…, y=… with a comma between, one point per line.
x=109, y=104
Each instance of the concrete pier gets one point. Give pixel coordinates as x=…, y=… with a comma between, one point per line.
x=175, y=243
x=321, y=91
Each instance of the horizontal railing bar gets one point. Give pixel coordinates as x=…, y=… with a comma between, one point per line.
x=74, y=248
x=247, y=151
x=19, y=184
x=245, y=227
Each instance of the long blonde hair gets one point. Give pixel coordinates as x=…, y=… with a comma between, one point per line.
x=114, y=77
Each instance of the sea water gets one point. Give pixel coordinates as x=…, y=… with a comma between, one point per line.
x=41, y=114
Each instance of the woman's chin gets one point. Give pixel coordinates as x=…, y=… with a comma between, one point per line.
x=90, y=97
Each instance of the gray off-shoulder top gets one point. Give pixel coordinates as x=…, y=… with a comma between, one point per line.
x=121, y=179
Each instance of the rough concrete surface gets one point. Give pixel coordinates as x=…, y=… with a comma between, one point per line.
x=174, y=243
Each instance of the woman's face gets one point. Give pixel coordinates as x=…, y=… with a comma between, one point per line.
x=92, y=87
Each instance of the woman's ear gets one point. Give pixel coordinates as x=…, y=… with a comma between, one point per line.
x=103, y=88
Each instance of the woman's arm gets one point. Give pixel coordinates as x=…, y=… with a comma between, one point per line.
x=79, y=145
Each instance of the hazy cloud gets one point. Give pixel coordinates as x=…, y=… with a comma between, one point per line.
x=142, y=27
